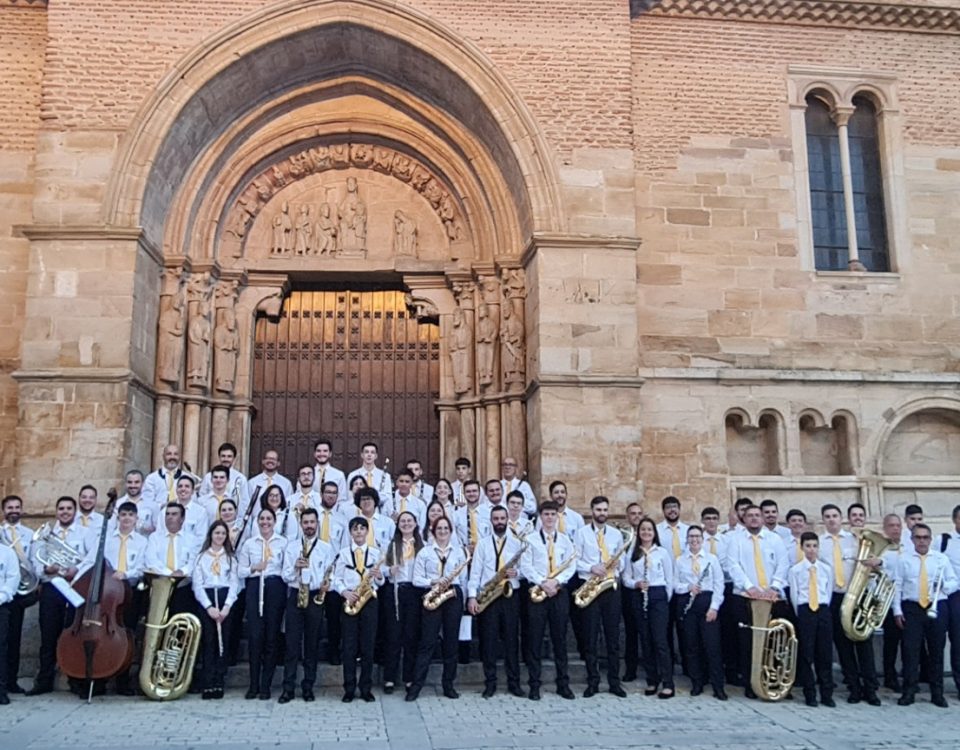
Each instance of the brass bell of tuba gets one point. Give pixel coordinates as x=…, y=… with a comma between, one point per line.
x=169, y=645
x=870, y=593
x=773, y=662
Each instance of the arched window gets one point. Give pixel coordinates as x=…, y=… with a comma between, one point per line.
x=868, y=186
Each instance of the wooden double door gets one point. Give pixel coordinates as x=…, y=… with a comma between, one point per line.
x=353, y=365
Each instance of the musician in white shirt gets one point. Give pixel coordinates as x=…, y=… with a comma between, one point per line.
x=159, y=488
x=9, y=582
x=305, y=496
x=811, y=594
x=173, y=552
x=236, y=481
x=216, y=586
x=374, y=476
x=421, y=489
x=325, y=472
x=470, y=522
x=19, y=537
x=512, y=482
x=87, y=516
x=219, y=478
x=400, y=604
x=404, y=500
x=268, y=477
x=950, y=546
x=196, y=521
x=770, y=512
x=568, y=520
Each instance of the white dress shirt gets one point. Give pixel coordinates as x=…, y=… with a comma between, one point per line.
x=589, y=551
x=461, y=522
x=429, y=566
x=346, y=577
x=709, y=579
x=404, y=565
x=185, y=549
x=338, y=527
x=264, y=482
x=301, y=498
x=666, y=532
x=236, y=487
x=321, y=555
x=411, y=504
x=657, y=570
x=148, y=515
x=196, y=522
x=523, y=487
x=251, y=553
x=906, y=539
x=740, y=561
x=382, y=482
x=211, y=504
x=21, y=533
x=330, y=473
x=136, y=555
x=568, y=521
x=799, y=581
x=535, y=564
x=155, y=489
x=907, y=578
x=423, y=491
x=487, y=562
x=74, y=535
x=783, y=532
x=952, y=551
x=204, y=578
x=91, y=523
x=9, y=574
x=849, y=544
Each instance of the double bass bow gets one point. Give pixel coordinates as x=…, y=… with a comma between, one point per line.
x=97, y=646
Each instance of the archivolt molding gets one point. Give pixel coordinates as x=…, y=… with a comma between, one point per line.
x=880, y=16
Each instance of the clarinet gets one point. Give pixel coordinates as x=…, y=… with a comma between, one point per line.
x=383, y=478
x=646, y=592
x=700, y=580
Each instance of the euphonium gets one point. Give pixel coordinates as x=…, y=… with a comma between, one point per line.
x=52, y=550
x=365, y=591
x=870, y=593
x=773, y=663
x=596, y=585
x=443, y=589
x=169, y=645
x=537, y=594
x=500, y=584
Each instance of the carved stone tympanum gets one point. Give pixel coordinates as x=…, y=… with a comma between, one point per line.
x=282, y=229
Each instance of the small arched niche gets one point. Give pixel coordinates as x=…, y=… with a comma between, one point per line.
x=825, y=448
x=926, y=443
x=753, y=450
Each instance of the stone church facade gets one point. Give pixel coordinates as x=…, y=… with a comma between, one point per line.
x=669, y=246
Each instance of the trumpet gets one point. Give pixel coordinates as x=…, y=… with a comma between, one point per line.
x=537, y=594
x=500, y=584
x=443, y=589
x=937, y=589
x=596, y=585
x=365, y=591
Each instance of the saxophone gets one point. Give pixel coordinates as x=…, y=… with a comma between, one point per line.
x=537, y=594
x=321, y=596
x=500, y=584
x=303, y=591
x=169, y=645
x=596, y=585
x=870, y=593
x=365, y=591
x=443, y=589
x=773, y=664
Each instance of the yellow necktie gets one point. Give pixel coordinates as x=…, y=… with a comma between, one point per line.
x=122, y=555
x=799, y=551
x=562, y=525
x=171, y=552
x=677, y=550
x=215, y=565
x=269, y=481
x=403, y=504
x=63, y=535
x=85, y=520
x=837, y=563
x=323, y=473
x=325, y=526
x=696, y=565
x=473, y=526
x=758, y=562
x=814, y=594
x=15, y=541
x=499, y=548
x=409, y=551
x=219, y=503
x=171, y=492
x=267, y=552
x=305, y=499
x=369, y=479
x=713, y=545
x=924, y=584
x=359, y=561
x=370, y=540
x=604, y=553
x=550, y=556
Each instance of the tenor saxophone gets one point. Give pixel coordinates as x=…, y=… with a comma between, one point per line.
x=365, y=591
x=500, y=584
x=596, y=585
x=169, y=645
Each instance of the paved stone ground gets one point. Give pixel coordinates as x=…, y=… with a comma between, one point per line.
x=60, y=721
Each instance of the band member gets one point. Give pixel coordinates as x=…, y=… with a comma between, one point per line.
x=596, y=545
x=838, y=549
x=471, y=525
x=269, y=476
x=324, y=472
x=649, y=572
x=229, y=515
x=735, y=516
x=148, y=513
x=912, y=515
x=631, y=636
x=811, y=594
x=770, y=512
x=55, y=612
x=517, y=522
x=333, y=531
x=464, y=472
x=494, y=495
x=671, y=529
x=160, y=486
x=211, y=502
x=797, y=523
x=950, y=546
x=19, y=538
x=236, y=482
x=730, y=610
x=925, y=580
x=358, y=563
x=375, y=477
x=403, y=500
x=500, y=621
x=305, y=496
x=9, y=582
x=434, y=511
x=698, y=584
x=196, y=521
x=216, y=585
x=421, y=490
x=857, y=516
x=443, y=493
x=305, y=564
x=568, y=521
x=511, y=482
x=401, y=603
x=286, y=525
x=757, y=559
x=380, y=528
x=549, y=551
x=892, y=635
x=87, y=516
x=125, y=550
x=260, y=563
x=173, y=552
x=434, y=564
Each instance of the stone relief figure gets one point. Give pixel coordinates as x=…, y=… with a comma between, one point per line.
x=279, y=178
x=240, y=218
x=361, y=154
x=226, y=343
x=402, y=167
x=460, y=344
x=170, y=343
x=282, y=228
x=304, y=234
x=512, y=345
x=487, y=332
x=353, y=220
x=404, y=234
x=382, y=159
x=326, y=243
x=198, y=339
x=263, y=191
x=340, y=154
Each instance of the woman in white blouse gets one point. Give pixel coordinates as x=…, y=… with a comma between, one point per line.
x=401, y=603
x=215, y=586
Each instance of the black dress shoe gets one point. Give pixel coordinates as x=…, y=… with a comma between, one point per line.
x=590, y=691
x=534, y=694
x=347, y=698
x=893, y=685
x=4, y=700
x=630, y=677
x=449, y=692
x=666, y=694
x=308, y=695
x=828, y=702
x=264, y=695
x=250, y=694
x=749, y=694
x=812, y=702
x=334, y=661
x=720, y=695
x=651, y=690
x=388, y=689
x=15, y=689
x=854, y=698
x=872, y=699
x=367, y=697
x=906, y=700
x=488, y=692
x=126, y=691
x=566, y=693
x=696, y=690
x=939, y=700
x=618, y=691
x=285, y=697
x=516, y=691
x=39, y=690
x=412, y=693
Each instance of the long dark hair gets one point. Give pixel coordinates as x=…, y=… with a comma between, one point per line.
x=636, y=543
x=395, y=552
x=427, y=528
x=266, y=495
x=208, y=542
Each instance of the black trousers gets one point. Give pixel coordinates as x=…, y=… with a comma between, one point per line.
x=892, y=637
x=655, y=635
x=263, y=632
x=730, y=634
x=55, y=614
x=953, y=606
x=576, y=617
x=333, y=608
x=443, y=622
x=553, y=612
x=215, y=663
x=237, y=612
x=631, y=649
x=401, y=636
x=815, y=651
x=702, y=640
x=500, y=623
x=302, y=628
x=359, y=633
x=4, y=635
x=139, y=602
x=856, y=657
x=603, y=613
x=920, y=629
x=18, y=607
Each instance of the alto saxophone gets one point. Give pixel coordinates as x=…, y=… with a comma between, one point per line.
x=500, y=584
x=365, y=591
x=537, y=594
x=321, y=596
x=443, y=589
x=596, y=585
x=169, y=645
x=303, y=591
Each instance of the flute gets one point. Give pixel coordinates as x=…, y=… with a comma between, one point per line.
x=646, y=593
x=216, y=602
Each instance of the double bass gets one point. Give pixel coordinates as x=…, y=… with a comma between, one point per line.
x=97, y=646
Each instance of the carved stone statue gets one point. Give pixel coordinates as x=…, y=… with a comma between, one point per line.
x=326, y=242
x=487, y=333
x=170, y=343
x=304, y=233
x=512, y=346
x=240, y=218
x=226, y=342
x=460, y=345
x=404, y=234
x=353, y=220
x=282, y=228
x=198, y=340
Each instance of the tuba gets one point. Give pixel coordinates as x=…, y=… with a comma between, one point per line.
x=596, y=585
x=773, y=663
x=169, y=645
x=870, y=593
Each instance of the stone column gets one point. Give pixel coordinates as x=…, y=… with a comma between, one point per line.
x=162, y=416
x=190, y=450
